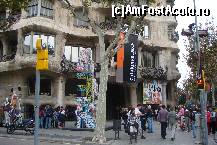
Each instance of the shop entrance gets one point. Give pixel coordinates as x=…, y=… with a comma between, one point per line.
x=117, y=97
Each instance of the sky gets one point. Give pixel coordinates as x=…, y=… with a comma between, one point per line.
x=184, y=21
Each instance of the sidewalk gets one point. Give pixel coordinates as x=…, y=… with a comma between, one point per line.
x=80, y=137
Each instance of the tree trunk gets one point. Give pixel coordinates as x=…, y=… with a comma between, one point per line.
x=101, y=103
x=213, y=94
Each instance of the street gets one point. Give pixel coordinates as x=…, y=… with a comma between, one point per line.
x=59, y=137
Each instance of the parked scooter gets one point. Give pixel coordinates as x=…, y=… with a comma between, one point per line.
x=26, y=125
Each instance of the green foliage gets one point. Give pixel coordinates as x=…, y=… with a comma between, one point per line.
x=208, y=47
x=110, y=2
x=13, y=5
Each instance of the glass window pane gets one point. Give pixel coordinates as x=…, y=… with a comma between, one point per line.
x=50, y=42
x=67, y=52
x=146, y=31
x=27, y=40
x=44, y=40
x=35, y=37
x=74, y=54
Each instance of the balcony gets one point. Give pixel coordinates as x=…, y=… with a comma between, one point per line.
x=153, y=73
x=170, y=2
x=9, y=21
x=8, y=57
x=174, y=37
x=108, y=25
x=70, y=67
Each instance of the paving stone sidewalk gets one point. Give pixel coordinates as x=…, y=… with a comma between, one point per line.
x=79, y=137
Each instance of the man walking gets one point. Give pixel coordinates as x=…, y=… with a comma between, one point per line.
x=172, y=122
x=162, y=118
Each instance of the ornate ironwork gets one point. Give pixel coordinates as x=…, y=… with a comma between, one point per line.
x=67, y=66
x=153, y=73
x=108, y=25
x=50, y=51
x=175, y=36
x=96, y=1
x=170, y=2
x=8, y=57
x=5, y=23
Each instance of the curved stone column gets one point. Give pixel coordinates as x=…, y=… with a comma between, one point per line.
x=164, y=94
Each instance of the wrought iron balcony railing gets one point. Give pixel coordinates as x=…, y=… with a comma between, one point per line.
x=68, y=66
x=109, y=25
x=50, y=51
x=153, y=73
x=8, y=57
x=175, y=36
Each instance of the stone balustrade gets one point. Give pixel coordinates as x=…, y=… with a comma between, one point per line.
x=153, y=73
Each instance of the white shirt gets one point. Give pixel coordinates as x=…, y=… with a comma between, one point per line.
x=137, y=112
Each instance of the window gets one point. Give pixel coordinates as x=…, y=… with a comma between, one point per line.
x=74, y=54
x=170, y=32
x=33, y=8
x=145, y=32
x=73, y=86
x=2, y=14
x=150, y=59
x=71, y=53
x=1, y=50
x=46, y=8
x=77, y=22
x=47, y=39
x=45, y=86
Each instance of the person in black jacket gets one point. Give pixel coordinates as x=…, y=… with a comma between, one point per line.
x=143, y=120
x=149, y=116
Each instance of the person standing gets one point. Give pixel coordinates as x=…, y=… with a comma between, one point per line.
x=7, y=108
x=193, y=121
x=162, y=118
x=61, y=117
x=172, y=122
x=41, y=117
x=213, y=122
x=143, y=120
x=48, y=116
x=150, y=119
x=187, y=119
x=208, y=119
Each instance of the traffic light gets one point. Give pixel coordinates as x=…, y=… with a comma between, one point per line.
x=200, y=84
x=42, y=56
x=201, y=81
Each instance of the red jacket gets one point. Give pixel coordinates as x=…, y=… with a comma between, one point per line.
x=208, y=116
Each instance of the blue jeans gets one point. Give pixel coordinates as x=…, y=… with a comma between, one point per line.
x=150, y=124
x=41, y=122
x=194, y=129
x=48, y=122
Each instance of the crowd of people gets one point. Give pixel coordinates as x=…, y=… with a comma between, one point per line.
x=52, y=118
x=141, y=119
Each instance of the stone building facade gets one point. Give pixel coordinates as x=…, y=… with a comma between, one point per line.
x=66, y=35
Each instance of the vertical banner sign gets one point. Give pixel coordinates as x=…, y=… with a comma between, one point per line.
x=120, y=58
x=130, y=59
